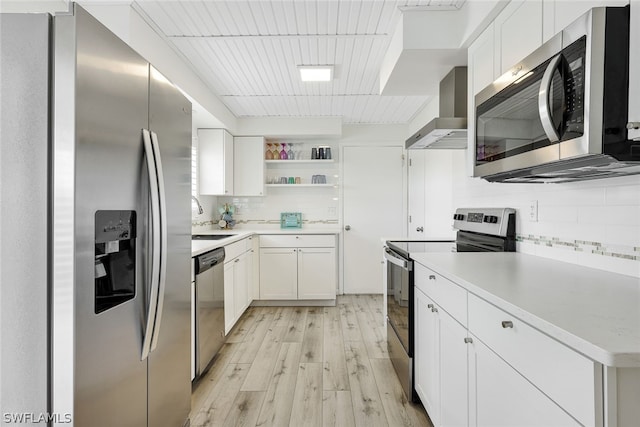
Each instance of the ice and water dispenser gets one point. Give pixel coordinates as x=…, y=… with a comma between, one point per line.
x=115, y=258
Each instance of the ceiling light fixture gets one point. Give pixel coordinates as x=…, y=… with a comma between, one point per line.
x=316, y=73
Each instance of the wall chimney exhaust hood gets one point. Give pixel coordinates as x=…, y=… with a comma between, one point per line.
x=449, y=131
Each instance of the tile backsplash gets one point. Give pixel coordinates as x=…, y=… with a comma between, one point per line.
x=593, y=223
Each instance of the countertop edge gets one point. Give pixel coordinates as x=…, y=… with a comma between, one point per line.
x=239, y=234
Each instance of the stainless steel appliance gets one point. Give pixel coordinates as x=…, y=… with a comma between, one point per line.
x=449, y=130
x=97, y=143
x=209, y=297
x=561, y=114
x=479, y=230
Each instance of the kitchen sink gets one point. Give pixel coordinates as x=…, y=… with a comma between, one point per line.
x=210, y=236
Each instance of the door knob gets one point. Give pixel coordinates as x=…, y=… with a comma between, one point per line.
x=420, y=229
x=347, y=227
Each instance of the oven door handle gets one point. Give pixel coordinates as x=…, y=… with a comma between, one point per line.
x=395, y=260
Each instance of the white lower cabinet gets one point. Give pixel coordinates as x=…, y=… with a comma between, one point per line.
x=477, y=365
x=237, y=282
x=427, y=356
x=440, y=363
x=316, y=273
x=500, y=396
x=278, y=273
x=302, y=272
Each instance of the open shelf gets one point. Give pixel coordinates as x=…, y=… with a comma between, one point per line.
x=302, y=185
x=299, y=161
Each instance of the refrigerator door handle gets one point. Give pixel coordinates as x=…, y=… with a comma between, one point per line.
x=163, y=239
x=156, y=245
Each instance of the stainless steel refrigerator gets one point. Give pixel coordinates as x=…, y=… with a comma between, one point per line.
x=95, y=227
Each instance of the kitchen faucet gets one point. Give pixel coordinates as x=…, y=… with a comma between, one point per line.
x=200, y=210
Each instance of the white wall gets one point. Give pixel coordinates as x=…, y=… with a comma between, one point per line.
x=592, y=223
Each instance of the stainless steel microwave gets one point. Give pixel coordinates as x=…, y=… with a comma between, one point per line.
x=561, y=113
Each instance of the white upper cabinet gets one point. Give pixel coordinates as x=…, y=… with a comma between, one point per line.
x=248, y=168
x=518, y=32
x=558, y=14
x=215, y=153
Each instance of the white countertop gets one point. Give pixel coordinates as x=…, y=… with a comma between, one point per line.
x=595, y=312
x=201, y=246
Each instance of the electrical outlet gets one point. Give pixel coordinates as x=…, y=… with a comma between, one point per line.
x=533, y=211
x=332, y=212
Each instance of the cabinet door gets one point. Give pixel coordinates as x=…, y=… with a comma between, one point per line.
x=215, y=164
x=427, y=355
x=518, y=32
x=248, y=167
x=416, y=194
x=229, y=298
x=453, y=371
x=240, y=285
x=278, y=273
x=438, y=193
x=500, y=396
x=317, y=273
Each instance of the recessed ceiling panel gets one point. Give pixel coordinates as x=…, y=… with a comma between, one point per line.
x=248, y=52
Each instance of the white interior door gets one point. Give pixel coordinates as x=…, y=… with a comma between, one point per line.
x=373, y=208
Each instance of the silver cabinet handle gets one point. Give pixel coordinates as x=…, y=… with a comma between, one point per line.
x=432, y=277
x=347, y=227
x=544, y=109
x=468, y=340
x=507, y=324
x=420, y=229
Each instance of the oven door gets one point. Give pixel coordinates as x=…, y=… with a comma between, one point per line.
x=400, y=318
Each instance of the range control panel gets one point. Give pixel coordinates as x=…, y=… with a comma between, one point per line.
x=494, y=221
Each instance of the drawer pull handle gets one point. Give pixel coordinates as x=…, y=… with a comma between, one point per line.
x=432, y=277
x=507, y=324
x=429, y=305
x=434, y=310
x=468, y=340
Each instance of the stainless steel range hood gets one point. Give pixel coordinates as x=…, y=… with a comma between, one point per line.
x=450, y=129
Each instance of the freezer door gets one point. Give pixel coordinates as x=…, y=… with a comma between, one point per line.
x=170, y=361
x=111, y=96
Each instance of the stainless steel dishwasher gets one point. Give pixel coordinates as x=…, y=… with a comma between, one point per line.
x=209, y=313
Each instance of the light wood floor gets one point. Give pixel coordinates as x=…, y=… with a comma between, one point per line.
x=306, y=366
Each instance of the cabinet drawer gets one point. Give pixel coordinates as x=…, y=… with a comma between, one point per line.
x=444, y=292
x=568, y=378
x=235, y=249
x=297, y=240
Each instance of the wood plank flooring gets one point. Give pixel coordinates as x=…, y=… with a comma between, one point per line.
x=306, y=366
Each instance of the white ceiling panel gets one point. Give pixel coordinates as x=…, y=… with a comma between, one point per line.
x=247, y=52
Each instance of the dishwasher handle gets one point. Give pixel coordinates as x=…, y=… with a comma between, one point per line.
x=209, y=260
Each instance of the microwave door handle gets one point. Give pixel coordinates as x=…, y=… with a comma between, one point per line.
x=544, y=109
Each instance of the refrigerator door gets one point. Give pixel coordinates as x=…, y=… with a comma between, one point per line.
x=170, y=361
x=111, y=199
